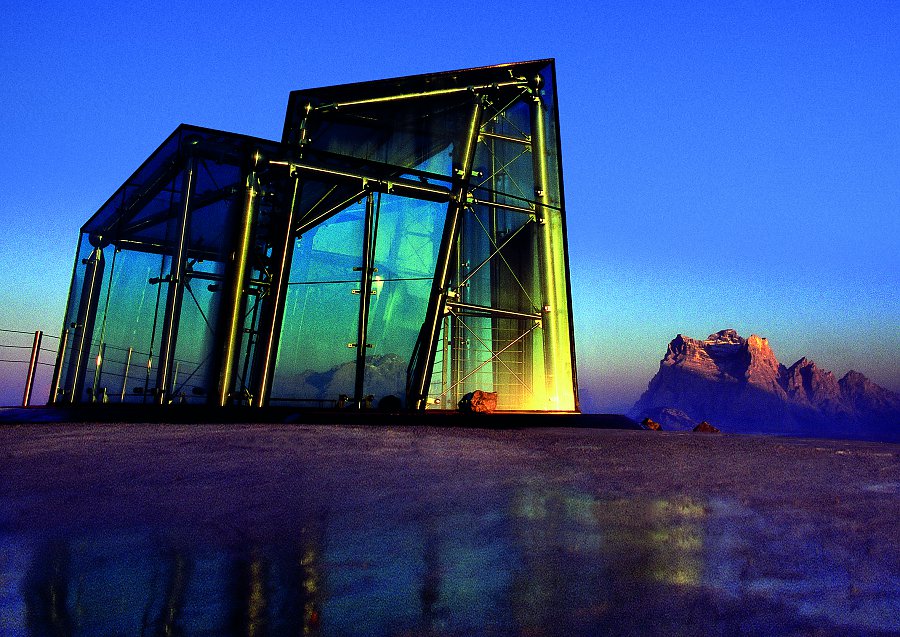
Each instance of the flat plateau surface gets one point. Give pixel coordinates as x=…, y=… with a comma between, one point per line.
x=352, y=530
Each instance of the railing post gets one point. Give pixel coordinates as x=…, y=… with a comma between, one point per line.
x=57, y=370
x=32, y=367
x=125, y=375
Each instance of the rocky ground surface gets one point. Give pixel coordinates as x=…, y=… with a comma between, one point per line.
x=273, y=529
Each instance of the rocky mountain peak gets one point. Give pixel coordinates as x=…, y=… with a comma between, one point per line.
x=729, y=336
x=863, y=395
x=739, y=383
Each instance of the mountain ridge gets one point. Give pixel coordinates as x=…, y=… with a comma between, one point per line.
x=738, y=384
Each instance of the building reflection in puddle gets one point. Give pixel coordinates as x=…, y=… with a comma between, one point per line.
x=127, y=584
x=534, y=561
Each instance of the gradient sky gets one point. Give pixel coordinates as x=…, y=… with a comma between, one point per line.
x=734, y=166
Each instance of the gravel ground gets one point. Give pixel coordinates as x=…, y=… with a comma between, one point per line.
x=338, y=530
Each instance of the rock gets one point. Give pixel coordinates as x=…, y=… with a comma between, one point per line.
x=706, y=428
x=652, y=425
x=670, y=419
x=479, y=402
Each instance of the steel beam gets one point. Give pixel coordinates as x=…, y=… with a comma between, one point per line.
x=176, y=287
x=365, y=297
x=273, y=305
x=233, y=302
x=84, y=325
x=420, y=94
x=546, y=252
x=400, y=187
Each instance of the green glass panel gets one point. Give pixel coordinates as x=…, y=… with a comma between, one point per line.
x=408, y=236
x=129, y=319
x=315, y=362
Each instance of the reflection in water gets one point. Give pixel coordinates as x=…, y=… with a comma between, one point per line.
x=536, y=561
x=46, y=591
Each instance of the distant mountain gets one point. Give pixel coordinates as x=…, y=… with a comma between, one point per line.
x=385, y=375
x=738, y=385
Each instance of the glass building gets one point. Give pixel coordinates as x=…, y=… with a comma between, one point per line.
x=406, y=238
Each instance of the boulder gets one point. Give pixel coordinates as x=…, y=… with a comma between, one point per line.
x=652, y=425
x=479, y=402
x=706, y=428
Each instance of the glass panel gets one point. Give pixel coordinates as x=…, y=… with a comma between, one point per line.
x=129, y=322
x=408, y=237
x=315, y=364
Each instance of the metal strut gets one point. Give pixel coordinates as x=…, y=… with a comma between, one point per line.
x=419, y=378
x=235, y=299
x=365, y=298
x=176, y=289
x=546, y=253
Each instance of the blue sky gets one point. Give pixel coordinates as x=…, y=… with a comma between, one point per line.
x=727, y=166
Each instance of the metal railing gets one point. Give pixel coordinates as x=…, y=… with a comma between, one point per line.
x=14, y=353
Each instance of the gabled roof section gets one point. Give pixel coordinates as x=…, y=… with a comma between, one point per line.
x=400, y=121
x=156, y=185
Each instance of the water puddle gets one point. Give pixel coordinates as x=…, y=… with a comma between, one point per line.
x=530, y=560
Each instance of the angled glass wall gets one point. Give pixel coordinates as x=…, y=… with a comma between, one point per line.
x=406, y=238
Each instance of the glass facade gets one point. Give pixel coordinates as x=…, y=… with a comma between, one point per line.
x=405, y=239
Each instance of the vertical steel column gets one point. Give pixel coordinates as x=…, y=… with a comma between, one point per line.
x=176, y=287
x=84, y=324
x=365, y=299
x=32, y=367
x=57, y=369
x=417, y=392
x=546, y=256
x=235, y=296
x=273, y=308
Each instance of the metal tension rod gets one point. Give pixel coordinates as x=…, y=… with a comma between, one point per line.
x=307, y=223
x=502, y=206
x=495, y=252
x=417, y=391
x=483, y=310
x=407, y=96
x=506, y=138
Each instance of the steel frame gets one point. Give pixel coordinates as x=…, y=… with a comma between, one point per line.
x=259, y=324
